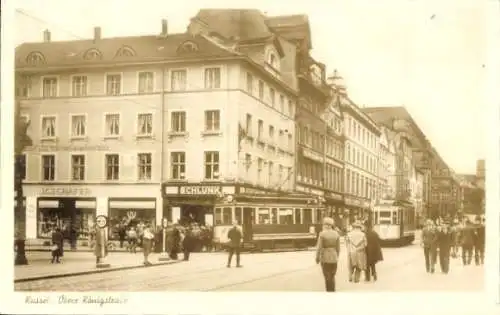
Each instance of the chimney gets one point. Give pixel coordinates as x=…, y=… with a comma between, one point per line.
x=164, y=27
x=97, y=33
x=46, y=36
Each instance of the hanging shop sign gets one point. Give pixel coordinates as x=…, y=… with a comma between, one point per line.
x=333, y=196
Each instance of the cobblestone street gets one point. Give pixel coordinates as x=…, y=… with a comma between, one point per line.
x=402, y=270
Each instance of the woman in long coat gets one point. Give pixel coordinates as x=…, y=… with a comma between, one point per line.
x=356, y=249
x=57, y=242
x=373, y=253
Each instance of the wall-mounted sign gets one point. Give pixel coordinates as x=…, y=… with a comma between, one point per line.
x=200, y=190
x=64, y=191
x=312, y=155
x=253, y=191
x=357, y=202
x=333, y=196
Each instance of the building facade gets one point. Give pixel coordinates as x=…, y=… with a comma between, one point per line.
x=360, y=155
x=169, y=125
x=387, y=184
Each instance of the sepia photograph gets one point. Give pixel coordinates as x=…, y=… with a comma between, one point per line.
x=248, y=147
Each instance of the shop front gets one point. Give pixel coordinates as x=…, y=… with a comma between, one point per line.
x=73, y=208
x=356, y=209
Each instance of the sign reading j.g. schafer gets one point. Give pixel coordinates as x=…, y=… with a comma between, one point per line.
x=200, y=190
x=64, y=191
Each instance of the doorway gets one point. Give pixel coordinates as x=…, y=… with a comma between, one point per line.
x=247, y=223
x=193, y=213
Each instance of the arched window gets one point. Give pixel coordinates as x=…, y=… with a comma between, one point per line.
x=92, y=54
x=125, y=52
x=188, y=47
x=35, y=58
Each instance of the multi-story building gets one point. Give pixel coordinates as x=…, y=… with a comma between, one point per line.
x=212, y=126
x=417, y=193
x=480, y=173
x=444, y=190
x=398, y=119
x=313, y=139
x=387, y=185
x=360, y=154
x=471, y=196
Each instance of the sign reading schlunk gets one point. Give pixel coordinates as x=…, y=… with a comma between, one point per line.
x=196, y=190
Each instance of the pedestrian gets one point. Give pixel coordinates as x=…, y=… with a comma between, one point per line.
x=175, y=241
x=479, y=241
x=57, y=245
x=327, y=252
x=122, y=233
x=356, y=249
x=467, y=241
x=373, y=253
x=429, y=243
x=147, y=243
x=132, y=240
x=444, y=240
x=188, y=243
x=140, y=232
x=234, y=235
x=455, y=232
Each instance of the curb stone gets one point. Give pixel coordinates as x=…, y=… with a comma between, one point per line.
x=93, y=271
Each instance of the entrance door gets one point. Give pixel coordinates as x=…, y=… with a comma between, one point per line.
x=247, y=224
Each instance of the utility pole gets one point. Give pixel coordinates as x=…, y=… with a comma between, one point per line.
x=21, y=141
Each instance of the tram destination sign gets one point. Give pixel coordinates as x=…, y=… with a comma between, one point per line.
x=200, y=190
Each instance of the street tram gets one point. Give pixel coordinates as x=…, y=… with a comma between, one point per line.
x=394, y=222
x=269, y=225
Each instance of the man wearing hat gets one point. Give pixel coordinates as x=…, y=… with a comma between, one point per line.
x=445, y=240
x=327, y=252
x=356, y=247
x=429, y=243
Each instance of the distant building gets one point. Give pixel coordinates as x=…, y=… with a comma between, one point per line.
x=480, y=173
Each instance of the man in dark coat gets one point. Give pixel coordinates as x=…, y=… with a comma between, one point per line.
x=188, y=242
x=57, y=240
x=479, y=241
x=173, y=241
x=445, y=241
x=234, y=235
x=373, y=253
x=429, y=243
x=467, y=240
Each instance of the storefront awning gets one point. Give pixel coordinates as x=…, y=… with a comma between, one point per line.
x=48, y=204
x=126, y=204
x=85, y=204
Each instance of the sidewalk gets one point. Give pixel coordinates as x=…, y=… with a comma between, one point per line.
x=78, y=263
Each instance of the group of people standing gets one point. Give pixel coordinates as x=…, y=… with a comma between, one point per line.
x=363, y=252
x=444, y=239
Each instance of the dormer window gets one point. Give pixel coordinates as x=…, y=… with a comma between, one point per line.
x=273, y=60
x=316, y=76
x=188, y=47
x=35, y=58
x=92, y=54
x=125, y=52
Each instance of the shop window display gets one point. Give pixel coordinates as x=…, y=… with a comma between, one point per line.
x=129, y=218
x=82, y=221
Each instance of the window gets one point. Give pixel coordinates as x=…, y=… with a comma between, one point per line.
x=78, y=167
x=212, y=120
x=249, y=125
x=48, y=167
x=113, y=84
x=260, y=164
x=263, y=216
x=25, y=87
x=260, y=129
x=49, y=87
x=249, y=83
x=282, y=103
x=290, y=141
x=125, y=52
x=92, y=54
x=112, y=166
x=290, y=108
x=281, y=173
x=178, y=121
x=21, y=159
x=146, y=84
x=212, y=78
x=145, y=124
x=270, y=170
x=178, y=80
x=227, y=215
x=178, y=165
x=272, y=95
x=112, y=124
x=144, y=166
x=35, y=58
x=48, y=127
x=248, y=161
x=271, y=134
x=261, y=90
x=211, y=165
x=307, y=216
x=78, y=125
x=79, y=85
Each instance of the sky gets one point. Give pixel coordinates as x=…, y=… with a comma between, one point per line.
x=429, y=56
